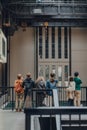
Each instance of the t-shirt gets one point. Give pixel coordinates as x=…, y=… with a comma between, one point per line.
x=78, y=83
x=51, y=85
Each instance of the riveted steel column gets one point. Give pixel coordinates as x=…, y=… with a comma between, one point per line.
x=36, y=52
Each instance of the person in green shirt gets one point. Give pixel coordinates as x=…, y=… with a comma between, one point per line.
x=78, y=83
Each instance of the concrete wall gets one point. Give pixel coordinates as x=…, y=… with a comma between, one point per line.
x=79, y=52
x=22, y=53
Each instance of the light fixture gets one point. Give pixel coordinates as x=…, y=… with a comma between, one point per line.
x=24, y=25
x=46, y=24
x=7, y=22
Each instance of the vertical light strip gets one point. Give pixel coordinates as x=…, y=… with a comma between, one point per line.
x=59, y=42
x=65, y=43
x=47, y=72
x=46, y=43
x=40, y=43
x=53, y=42
x=66, y=72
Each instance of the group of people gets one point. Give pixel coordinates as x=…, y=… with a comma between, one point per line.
x=74, y=90
x=23, y=88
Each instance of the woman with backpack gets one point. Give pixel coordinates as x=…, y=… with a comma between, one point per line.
x=40, y=94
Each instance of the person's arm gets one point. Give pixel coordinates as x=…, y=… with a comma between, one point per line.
x=15, y=83
x=47, y=85
x=80, y=81
x=23, y=83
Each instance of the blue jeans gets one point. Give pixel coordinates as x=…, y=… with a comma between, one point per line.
x=70, y=102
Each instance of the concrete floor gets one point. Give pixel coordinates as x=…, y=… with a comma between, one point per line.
x=11, y=120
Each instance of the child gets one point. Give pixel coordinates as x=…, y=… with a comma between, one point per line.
x=78, y=83
x=70, y=91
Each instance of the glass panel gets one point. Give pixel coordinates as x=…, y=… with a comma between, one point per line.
x=41, y=71
x=46, y=72
x=54, y=69
x=66, y=75
x=59, y=75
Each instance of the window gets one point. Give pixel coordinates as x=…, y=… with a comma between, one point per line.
x=65, y=43
x=59, y=42
x=54, y=69
x=3, y=47
x=59, y=75
x=40, y=42
x=47, y=72
x=53, y=42
x=66, y=72
x=46, y=43
x=41, y=71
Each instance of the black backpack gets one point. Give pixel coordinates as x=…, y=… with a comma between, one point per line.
x=28, y=84
x=41, y=85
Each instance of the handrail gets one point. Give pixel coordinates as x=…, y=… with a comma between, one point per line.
x=46, y=2
x=54, y=111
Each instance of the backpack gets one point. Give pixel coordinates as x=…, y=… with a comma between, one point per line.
x=28, y=84
x=18, y=88
x=41, y=85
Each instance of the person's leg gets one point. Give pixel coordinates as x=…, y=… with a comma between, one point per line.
x=38, y=99
x=72, y=102
x=50, y=101
x=78, y=98
x=30, y=101
x=25, y=94
x=75, y=99
x=69, y=102
x=16, y=102
x=20, y=102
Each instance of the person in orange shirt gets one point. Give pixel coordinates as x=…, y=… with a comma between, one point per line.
x=19, y=92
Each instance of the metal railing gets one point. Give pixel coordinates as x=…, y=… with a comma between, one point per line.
x=43, y=117
x=7, y=97
x=47, y=1
x=61, y=9
x=70, y=116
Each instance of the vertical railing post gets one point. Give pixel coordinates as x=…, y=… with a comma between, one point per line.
x=27, y=122
x=12, y=98
x=86, y=96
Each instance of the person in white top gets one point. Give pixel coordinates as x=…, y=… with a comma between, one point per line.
x=71, y=91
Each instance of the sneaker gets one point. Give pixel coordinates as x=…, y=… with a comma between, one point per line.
x=16, y=110
x=20, y=110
